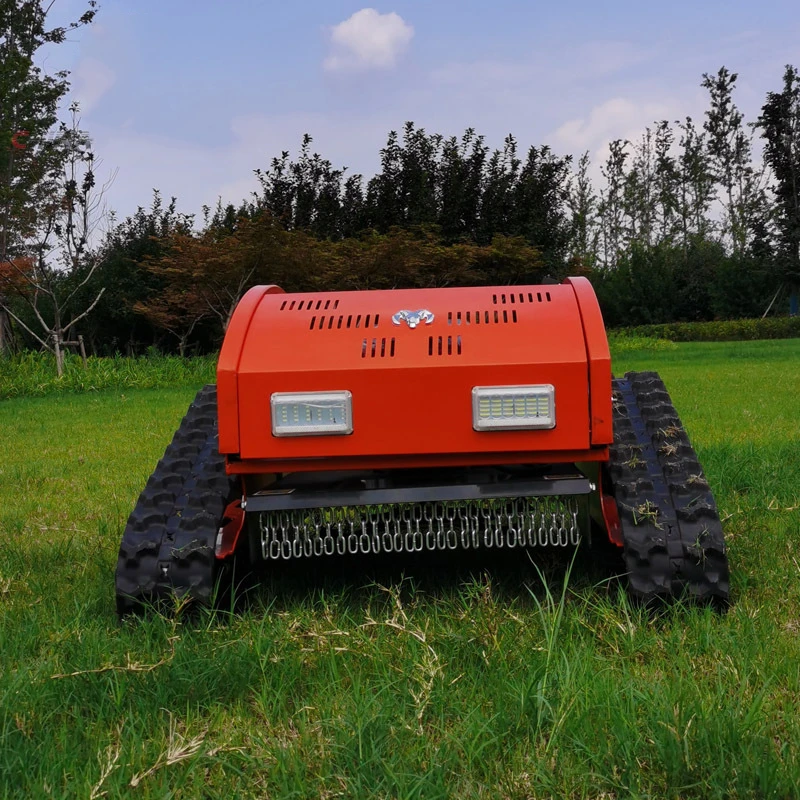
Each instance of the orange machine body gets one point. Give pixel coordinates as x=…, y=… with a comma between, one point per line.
x=412, y=387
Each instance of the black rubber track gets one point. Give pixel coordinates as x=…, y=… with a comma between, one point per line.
x=673, y=541
x=168, y=545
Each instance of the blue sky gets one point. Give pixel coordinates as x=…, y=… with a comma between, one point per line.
x=191, y=97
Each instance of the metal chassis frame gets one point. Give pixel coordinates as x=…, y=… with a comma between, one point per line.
x=302, y=491
x=290, y=493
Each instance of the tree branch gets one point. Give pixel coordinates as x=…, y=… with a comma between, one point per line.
x=20, y=322
x=34, y=306
x=83, y=283
x=88, y=310
x=25, y=276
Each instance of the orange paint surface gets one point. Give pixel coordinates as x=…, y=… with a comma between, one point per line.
x=412, y=388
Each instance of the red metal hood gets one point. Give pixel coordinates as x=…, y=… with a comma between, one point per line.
x=411, y=387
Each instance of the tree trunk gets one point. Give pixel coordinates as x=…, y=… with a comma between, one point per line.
x=59, y=354
x=83, y=350
x=4, y=332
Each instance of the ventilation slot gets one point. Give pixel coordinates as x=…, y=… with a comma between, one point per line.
x=518, y=298
x=496, y=316
x=377, y=348
x=309, y=305
x=444, y=345
x=334, y=321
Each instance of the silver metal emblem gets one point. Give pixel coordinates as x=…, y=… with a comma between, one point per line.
x=413, y=318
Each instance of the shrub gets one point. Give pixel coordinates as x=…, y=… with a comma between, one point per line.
x=624, y=341
x=721, y=330
x=31, y=374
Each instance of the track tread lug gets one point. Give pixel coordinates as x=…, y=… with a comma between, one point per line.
x=174, y=525
x=673, y=540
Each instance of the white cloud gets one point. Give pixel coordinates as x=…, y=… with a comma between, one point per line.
x=91, y=80
x=618, y=118
x=368, y=40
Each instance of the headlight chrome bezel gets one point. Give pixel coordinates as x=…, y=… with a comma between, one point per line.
x=319, y=401
x=513, y=406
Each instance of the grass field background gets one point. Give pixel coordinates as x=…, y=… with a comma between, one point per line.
x=443, y=681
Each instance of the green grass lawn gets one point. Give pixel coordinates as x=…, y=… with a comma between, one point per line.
x=442, y=682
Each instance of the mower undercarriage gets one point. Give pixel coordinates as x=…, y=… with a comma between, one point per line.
x=408, y=512
x=669, y=528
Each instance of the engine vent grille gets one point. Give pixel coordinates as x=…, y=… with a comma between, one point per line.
x=336, y=322
x=494, y=317
x=444, y=345
x=378, y=348
x=518, y=298
x=309, y=305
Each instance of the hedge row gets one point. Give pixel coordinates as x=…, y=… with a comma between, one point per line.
x=732, y=330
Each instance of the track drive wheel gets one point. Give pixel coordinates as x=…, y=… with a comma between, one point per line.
x=168, y=547
x=673, y=541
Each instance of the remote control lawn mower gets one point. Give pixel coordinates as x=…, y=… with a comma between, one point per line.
x=415, y=420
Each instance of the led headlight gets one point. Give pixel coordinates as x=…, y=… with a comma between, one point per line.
x=513, y=407
x=311, y=413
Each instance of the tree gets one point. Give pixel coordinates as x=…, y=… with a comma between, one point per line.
x=58, y=248
x=178, y=308
x=695, y=190
x=730, y=157
x=612, y=203
x=29, y=100
x=459, y=181
x=201, y=276
x=539, y=203
x=198, y=275
x=211, y=270
x=665, y=179
x=404, y=193
x=650, y=188
x=583, y=204
x=780, y=126
x=639, y=197
x=496, y=203
x=126, y=248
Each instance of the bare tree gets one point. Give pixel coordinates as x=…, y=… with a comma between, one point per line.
x=58, y=260
x=29, y=100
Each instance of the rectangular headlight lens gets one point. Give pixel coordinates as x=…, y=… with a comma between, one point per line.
x=311, y=413
x=513, y=407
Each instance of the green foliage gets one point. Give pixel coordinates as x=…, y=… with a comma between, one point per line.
x=780, y=124
x=729, y=330
x=427, y=181
x=203, y=275
x=32, y=374
x=114, y=326
x=665, y=283
x=466, y=680
x=448, y=210
x=29, y=100
x=45, y=175
x=730, y=159
x=626, y=341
